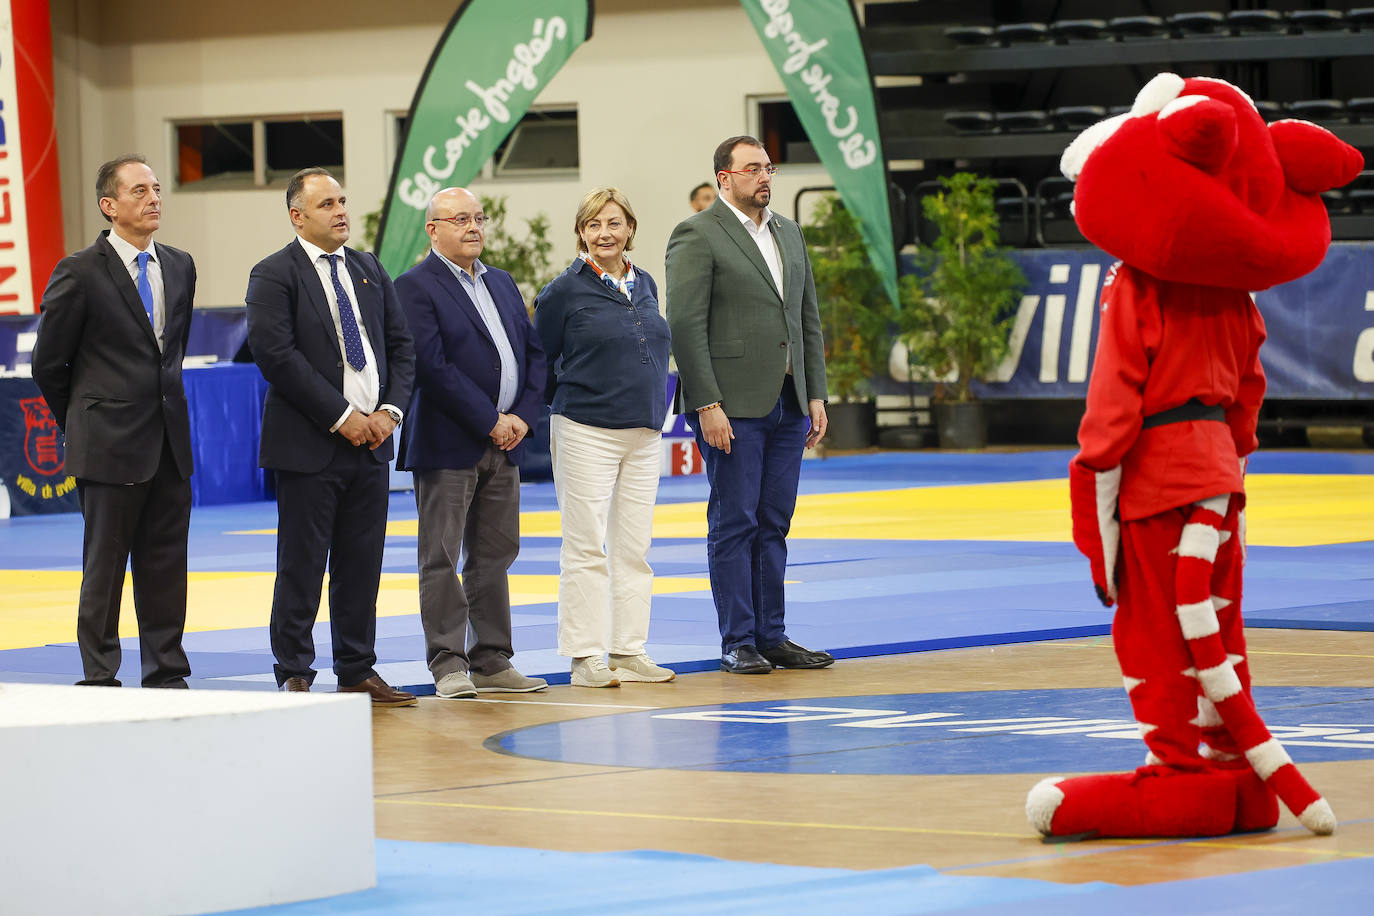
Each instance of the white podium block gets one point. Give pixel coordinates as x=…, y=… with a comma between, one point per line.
x=181, y=801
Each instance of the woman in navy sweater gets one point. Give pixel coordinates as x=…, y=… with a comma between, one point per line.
x=607, y=348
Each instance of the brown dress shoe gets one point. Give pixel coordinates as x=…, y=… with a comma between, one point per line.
x=296, y=685
x=382, y=693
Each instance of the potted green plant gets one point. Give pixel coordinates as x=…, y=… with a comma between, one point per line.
x=855, y=321
x=956, y=312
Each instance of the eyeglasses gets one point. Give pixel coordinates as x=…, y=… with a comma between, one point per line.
x=753, y=170
x=462, y=221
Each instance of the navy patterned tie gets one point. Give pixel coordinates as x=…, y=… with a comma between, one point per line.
x=353, y=341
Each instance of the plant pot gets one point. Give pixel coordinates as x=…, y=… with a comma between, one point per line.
x=961, y=424
x=851, y=424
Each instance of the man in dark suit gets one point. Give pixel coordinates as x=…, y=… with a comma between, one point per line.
x=478, y=391
x=108, y=358
x=326, y=330
x=751, y=364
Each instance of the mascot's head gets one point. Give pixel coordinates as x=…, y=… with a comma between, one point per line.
x=1191, y=186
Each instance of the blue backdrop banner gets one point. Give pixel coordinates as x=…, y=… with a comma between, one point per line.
x=1321, y=328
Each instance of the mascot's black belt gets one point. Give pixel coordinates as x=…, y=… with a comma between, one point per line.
x=1189, y=410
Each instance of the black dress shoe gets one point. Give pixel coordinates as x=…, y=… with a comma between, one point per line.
x=745, y=660
x=788, y=654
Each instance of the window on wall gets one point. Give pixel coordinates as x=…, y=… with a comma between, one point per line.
x=543, y=141
x=236, y=153
x=781, y=132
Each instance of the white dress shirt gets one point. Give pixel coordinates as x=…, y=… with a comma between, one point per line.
x=128, y=254
x=763, y=237
x=361, y=387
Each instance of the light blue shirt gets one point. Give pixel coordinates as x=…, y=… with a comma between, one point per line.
x=486, y=307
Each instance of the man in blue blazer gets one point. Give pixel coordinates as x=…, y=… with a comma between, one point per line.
x=331, y=340
x=478, y=392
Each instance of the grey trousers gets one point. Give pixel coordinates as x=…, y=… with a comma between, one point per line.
x=472, y=515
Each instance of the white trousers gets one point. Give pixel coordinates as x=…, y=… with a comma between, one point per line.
x=606, y=481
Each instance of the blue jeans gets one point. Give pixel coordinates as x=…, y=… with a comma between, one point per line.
x=753, y=493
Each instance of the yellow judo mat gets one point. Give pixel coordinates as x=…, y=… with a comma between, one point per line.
x=1286, y=510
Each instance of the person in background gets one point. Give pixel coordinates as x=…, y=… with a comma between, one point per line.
x=479, y=379
x=751, y=363
x=607, y=349
x=702, y=196
x=116, y=318
x=330, y=338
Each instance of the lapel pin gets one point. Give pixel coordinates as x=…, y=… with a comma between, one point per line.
x=364, y=281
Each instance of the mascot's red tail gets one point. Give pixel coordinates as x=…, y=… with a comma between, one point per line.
x=1221, y=687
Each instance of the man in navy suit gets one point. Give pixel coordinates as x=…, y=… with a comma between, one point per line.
x=478, y=391
x=116, y=317
x=331, y=340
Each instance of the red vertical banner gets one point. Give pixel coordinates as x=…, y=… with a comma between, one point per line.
x=31, y=241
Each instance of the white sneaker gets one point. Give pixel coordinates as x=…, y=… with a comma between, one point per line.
x=640, y=668
x=455, y=685
x=592, y=672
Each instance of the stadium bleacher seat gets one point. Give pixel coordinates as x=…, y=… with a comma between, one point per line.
x=1361, y=17
x=1316, y=109
x=1337, y=201
x=1360, y=109
x=1316, y=20
x=1023, y=120
x=971, y=121
x=1137, y=26
x=1207, y=22
x=1361, y=193
x=1270, y=111
x=1022, y=32
x=1077, y=117
x=970, y=34
x=1243, y=21
x=1078, y=29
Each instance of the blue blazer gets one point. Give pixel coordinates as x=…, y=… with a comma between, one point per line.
x=292, y=336
x=457, y=370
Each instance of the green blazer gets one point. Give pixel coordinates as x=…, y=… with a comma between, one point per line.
x=731, y=330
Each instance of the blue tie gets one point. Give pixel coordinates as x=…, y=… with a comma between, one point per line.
x=145, y=289
x=353, y=341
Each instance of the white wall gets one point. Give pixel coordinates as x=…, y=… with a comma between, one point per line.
x=657, y=87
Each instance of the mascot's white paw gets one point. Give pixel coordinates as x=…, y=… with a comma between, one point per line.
x=1319, y=818
x=1042, y=801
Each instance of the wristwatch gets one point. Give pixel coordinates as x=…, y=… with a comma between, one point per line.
x=395, y=415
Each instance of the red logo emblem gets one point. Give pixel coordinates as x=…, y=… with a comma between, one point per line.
x=43, y=444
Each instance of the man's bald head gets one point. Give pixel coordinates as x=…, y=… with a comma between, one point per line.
x=456, y=225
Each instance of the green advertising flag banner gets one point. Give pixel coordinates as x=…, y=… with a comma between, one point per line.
x=492, y=61
x=814, y=44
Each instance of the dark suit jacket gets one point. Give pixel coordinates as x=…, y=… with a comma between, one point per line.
x=458, y=372
x=291, y=333
x=98, y=365
x=731, y=329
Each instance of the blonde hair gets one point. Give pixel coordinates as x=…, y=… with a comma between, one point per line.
x=591, y=205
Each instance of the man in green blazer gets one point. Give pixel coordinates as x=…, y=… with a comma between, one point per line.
x=751, y=366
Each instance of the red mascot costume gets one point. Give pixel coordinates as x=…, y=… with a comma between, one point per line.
x=1203, y=203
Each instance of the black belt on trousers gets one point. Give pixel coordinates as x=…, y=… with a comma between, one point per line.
x=1189, y=410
